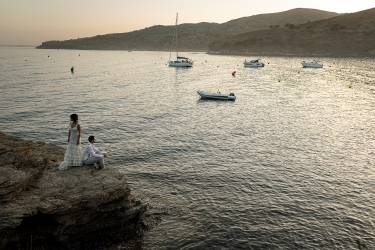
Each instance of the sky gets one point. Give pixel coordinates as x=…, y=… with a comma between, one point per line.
x=31, y=22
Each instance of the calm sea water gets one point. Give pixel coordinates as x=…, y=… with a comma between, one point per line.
x=288, y=165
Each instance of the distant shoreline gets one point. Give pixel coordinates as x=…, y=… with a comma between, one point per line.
x=290, y=55
x=17, y=46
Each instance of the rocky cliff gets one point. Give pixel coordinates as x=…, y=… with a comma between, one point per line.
x=42, y=207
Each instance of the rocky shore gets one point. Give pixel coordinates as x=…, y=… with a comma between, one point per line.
x=44, y=208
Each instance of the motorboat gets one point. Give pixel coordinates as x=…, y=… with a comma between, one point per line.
x=180, y=60
x=253, y=63
x=313, y=64
x=217, y=95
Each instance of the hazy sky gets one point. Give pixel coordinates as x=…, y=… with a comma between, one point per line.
x=31, y=22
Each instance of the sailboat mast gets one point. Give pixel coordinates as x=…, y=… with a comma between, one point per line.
x=176, y=34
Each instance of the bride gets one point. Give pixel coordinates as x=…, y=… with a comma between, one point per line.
x=73, y=153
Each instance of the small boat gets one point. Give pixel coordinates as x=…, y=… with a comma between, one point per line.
x=180, y=60
x=253, y=63
x=217, y=96
x=313, y=64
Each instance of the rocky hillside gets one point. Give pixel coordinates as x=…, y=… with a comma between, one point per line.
x=191, y=37
x=44, y=208
x=345, y=35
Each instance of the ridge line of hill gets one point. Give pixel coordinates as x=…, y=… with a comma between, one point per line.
x=192, y=37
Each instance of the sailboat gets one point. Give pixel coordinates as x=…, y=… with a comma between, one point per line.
x=180, y=60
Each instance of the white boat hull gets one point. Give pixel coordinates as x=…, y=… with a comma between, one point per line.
x=253, y=65
x=216, y=96
x=311, y=64
x=180, y=64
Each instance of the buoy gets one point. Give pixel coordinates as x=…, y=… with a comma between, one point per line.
x=234, y=73
x=72, y=69
x=48, y=55
x=279, y=80
x=350, y=86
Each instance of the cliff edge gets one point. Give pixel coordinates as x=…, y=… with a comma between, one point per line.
x=81, y=208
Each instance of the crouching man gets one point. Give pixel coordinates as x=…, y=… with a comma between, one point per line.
x=93, y=155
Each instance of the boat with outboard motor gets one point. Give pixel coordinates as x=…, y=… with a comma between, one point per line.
x=180, y=60
x=313, y=64
x=253, y=63
x=217, y=96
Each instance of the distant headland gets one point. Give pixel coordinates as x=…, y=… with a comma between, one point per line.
x=304, y=32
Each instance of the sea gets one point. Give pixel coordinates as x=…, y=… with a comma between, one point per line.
x=288, y=165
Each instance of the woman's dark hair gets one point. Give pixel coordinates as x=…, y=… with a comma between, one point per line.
x=91, y=137
x=74, y=117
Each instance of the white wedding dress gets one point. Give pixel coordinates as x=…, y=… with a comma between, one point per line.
x=73, y=153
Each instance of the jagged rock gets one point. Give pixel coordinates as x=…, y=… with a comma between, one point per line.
x=79, y=208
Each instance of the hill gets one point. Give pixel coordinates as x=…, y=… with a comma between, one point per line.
x=192, y=37
x=345, y=35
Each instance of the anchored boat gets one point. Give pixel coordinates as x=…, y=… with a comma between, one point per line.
x=217, y=96
x=180, y=60
x=313, y=64
x=253, y=63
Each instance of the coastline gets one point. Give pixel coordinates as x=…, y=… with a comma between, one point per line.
x=80, y=208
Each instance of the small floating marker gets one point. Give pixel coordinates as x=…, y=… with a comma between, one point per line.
x=72, y=69
x=350, y=86
x=25, y=60
x=79, y=54
x=48, y=55
x=234, y=73
x=279, y=80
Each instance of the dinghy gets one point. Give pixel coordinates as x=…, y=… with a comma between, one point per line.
x=313, y=64
x=217, y=96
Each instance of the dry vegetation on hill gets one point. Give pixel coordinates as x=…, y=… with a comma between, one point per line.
x=345, y=35
x=192, y=37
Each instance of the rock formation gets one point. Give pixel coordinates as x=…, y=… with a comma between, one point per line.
x=81, y=208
